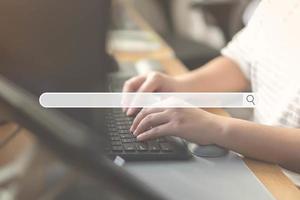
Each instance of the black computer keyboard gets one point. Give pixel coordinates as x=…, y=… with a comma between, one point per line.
x=124, y=144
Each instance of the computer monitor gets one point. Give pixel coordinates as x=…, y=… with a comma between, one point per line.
x=56, y=46
x=59, y=45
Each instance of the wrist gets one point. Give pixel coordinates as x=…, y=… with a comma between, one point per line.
x=184, y=84
x=220, y=131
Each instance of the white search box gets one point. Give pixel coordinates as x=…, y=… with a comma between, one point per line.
x=119, y=100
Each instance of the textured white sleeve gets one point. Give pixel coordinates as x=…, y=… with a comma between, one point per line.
x=239, y=50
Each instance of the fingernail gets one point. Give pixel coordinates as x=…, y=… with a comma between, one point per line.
x=132, y=129
x=130, y=112
x=134, y=133
x=139, y=138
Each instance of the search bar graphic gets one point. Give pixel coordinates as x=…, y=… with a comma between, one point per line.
x=169, y=100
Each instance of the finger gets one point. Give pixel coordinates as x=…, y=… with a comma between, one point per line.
x=142, y=114
x=155, y=132
x=131, y=85
x=132, y=111
x=149, y=85
x=151, y=121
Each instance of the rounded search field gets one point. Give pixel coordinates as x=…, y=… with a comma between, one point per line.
x=119, y=100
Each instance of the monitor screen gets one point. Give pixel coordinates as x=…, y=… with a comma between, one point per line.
x=54, y=45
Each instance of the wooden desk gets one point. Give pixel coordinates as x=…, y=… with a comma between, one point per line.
x=270, y=175
x=163, y=52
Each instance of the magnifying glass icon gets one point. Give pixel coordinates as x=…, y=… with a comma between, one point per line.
x=250, y=99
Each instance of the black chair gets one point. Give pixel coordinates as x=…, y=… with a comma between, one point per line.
x=226, y=14
x=192, y=53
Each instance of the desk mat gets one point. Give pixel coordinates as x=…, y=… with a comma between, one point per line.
x=225, y=178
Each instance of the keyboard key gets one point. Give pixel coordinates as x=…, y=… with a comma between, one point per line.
x=142, y=146
x=114, y=134
x=129, y=147
x=127, y=136
x=154, y=147
x=113, y=129
x=127, y=140
x=123, y=131
x=115, y=138
x=116, y=143
x=123, y=127
x=117, y=148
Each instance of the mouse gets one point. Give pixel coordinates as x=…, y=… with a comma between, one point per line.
x=210, y=151
x=146, y=66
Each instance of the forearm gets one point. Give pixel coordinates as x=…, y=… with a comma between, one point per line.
x=219, y=75
x=272, y=144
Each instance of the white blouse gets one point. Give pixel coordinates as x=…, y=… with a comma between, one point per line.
x=268, y=53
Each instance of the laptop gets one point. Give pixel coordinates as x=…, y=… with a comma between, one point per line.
x=60, y=46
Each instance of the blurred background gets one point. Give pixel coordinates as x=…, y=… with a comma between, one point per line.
x=195, y=29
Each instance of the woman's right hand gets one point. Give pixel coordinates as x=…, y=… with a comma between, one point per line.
x=154, y=82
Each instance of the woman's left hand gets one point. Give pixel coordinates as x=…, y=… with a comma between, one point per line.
x=192, y=124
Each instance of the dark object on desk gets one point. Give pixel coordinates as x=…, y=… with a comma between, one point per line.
x=70, y=140
x=210, y=151
x=60, y=46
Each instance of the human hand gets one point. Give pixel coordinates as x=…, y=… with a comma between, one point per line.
x=154, y=82
x=192, y=124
